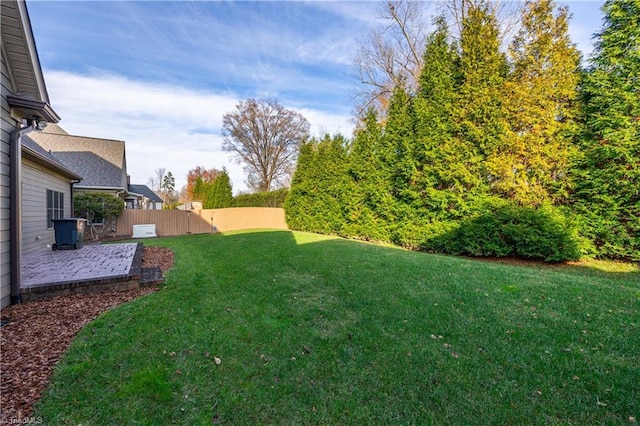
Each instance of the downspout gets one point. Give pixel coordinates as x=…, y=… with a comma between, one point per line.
x=15, y=230
x=73, y=210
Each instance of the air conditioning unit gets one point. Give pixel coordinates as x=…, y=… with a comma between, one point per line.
x=144, y=231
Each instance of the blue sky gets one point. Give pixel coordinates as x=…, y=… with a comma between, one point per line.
x=160, y=74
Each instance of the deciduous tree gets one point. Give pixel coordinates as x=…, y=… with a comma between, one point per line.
x=390, y=55
x=264, y=136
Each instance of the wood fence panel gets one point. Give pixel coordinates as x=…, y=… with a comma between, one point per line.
x=178, y=222
x=237, y=218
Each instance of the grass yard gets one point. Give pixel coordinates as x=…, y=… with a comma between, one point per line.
x=295, y=328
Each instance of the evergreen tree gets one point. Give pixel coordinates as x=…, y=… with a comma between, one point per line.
x=530, y=165
x=315, y=202
x=442, y=177
x=221, y=191
x=297, y=205
x=399, y=135
x=199, y=190
x=369, y=184
x=607, y=174
x=478, y=108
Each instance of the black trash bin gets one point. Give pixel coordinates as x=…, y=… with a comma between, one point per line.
x=69, y=233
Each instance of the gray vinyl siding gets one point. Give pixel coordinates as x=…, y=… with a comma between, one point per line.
x=35, y=182
x=8, y=125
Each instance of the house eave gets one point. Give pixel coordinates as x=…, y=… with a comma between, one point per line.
x=30, y=108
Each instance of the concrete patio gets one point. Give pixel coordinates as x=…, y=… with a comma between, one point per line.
x=91, y=268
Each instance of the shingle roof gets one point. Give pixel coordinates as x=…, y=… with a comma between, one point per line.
x=145, y=191
x=47, y=158
x=101, y=162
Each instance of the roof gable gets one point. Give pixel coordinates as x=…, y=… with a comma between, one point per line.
x=101, y=162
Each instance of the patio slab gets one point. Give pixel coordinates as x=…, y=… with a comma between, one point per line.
x=92, y=268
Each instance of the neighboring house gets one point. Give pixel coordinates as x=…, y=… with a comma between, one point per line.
x=150, y=199
x=101, y=162
x=35, y=186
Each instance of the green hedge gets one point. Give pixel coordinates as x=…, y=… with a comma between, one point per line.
x=262, y=199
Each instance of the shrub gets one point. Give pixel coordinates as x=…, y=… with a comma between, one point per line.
x=101, y=210
x=504, y=229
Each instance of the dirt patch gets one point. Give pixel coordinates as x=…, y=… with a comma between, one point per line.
x=37, y=334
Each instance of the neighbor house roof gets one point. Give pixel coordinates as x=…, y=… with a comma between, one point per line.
x=36, y=153
x=146, y=192
x=101, y=162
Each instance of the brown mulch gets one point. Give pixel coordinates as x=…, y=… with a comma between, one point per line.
x=38, y=334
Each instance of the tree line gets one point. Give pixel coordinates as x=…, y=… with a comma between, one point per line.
x=493, y=153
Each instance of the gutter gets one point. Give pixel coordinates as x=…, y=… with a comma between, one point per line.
x=15, y=228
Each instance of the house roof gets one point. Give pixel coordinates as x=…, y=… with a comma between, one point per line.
x=101, y=162
x=36, y=153
x=145, y=191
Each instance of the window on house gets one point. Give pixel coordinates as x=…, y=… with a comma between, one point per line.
x=55, y=206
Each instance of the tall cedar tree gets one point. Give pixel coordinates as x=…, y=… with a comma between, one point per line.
x=221, y=192
x=531, y=164
x=368, y=186
x=214, y=194
x=442, y=176
x=297, y=205
x=478, y=109
x=608, y=174
x=315, y=202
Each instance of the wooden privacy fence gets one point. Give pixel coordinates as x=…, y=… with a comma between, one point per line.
x=178, y=222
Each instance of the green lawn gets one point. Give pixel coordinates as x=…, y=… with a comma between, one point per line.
x=312, y=329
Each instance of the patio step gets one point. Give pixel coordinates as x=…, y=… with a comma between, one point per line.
x=151, y=276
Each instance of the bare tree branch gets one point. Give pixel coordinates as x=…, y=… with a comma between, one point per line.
x=265, y=137
x=390, y=54
x=393, y=53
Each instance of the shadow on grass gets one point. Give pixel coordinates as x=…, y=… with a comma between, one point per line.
x=587, y=267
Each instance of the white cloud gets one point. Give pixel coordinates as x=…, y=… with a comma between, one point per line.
x=163, y=126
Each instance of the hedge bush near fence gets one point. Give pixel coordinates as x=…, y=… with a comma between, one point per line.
x=261, y=199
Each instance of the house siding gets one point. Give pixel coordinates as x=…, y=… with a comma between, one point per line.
x=8, y=125
x=35, y=182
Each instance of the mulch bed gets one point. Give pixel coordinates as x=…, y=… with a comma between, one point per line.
x=37, y=334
